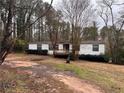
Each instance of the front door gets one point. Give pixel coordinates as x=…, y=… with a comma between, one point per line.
x=66, y=47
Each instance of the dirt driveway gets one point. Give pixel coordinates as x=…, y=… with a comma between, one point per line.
x=28, y=65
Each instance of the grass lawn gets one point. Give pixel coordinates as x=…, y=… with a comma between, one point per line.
x=104, y=79
x=110, y=77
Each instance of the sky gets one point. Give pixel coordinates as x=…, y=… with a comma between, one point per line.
x=56, y=1
x=115, y=8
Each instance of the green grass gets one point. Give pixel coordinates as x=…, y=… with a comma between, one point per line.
x=94, y=76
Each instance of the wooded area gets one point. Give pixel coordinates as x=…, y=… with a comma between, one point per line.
x=24, y=21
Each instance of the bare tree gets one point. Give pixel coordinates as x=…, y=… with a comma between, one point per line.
x=77, y=13
x=53, y=19
x=110, y=20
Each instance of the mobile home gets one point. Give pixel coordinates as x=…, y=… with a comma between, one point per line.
x=38, y=48
x=86, y=48
x=92, y=48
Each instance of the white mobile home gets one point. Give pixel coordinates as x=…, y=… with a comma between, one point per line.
x=92, y=48
x=86, y=48
x=38, y=48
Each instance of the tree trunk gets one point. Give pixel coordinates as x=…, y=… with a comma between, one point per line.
x=6, y=43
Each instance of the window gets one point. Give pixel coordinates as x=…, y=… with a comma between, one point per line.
x=57, y=47
x=50, y=47
x=95, y=47
x=39, y=47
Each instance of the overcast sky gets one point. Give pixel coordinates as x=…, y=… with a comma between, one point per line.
x=56, y=1
x=115, y=8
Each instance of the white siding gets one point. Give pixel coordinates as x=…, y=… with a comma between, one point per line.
x=70, y=47
x=45, y=47
x=60, y=46
x=50, y=52
x=87, y=49
x=32, y=46
x=60, y=49
x=102, y=48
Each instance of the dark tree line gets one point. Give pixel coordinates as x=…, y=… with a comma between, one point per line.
x=38, y=21
x=112, y=32
x=17, y=18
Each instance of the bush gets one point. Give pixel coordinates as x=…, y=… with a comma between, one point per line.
x=106, y=57
x=38, y=52
x=20, y=46
x=122, y=57
x=99, y=58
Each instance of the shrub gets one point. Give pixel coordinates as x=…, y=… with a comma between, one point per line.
x=38, y=52
x=99, y=58
x=122, y=57
x=106, y=58
x=20, y=45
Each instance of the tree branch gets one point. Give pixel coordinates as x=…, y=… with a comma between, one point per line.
x=42, y=14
